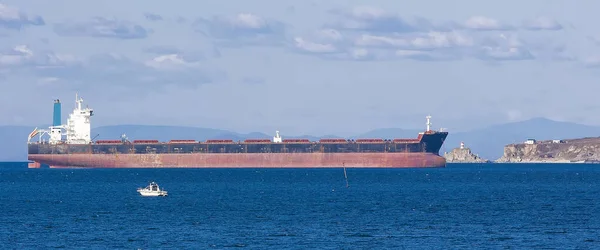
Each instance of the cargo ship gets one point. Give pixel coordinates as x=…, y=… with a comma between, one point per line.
x=71, y=146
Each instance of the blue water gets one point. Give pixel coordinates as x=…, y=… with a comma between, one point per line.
x=462, y=206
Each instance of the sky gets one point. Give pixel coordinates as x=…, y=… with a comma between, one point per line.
x=303, y=67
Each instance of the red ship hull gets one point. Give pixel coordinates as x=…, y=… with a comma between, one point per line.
x=240, y=160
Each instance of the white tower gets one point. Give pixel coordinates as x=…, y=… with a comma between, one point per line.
x=462, y=145
x=428, y=123
x=277, y=138
x=78, y=124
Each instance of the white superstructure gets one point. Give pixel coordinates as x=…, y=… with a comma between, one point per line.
x=77, y=129
x=78, y=125
x=277, y=138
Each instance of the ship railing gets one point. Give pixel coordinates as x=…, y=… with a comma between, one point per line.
x=109, y=142
x=369, y=141
x=257, y=141
x=333, y=141
x=219, y=141
x=145, y=141
x=296, y=141
x=405, y=140
x=182, y=141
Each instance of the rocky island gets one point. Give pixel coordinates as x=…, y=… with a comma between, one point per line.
x=463, y=155
x=583, y=150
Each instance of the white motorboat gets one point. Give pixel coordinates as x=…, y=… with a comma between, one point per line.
x=152, y=190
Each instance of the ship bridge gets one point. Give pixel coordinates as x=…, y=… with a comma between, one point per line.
x=77, y=130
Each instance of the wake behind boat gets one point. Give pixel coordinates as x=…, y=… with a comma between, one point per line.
x=152, y=190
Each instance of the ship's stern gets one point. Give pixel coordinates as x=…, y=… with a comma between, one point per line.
x=32, y=152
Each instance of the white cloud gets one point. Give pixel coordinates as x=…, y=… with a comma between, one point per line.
x=360, y=53
x=380, y=41
x=170, y=62
x=102, y=27
x=427, y=41
x=9, y=13
x=330, y=34
x=247, y=21
x=323, y=41
x=511, y=53
x=484, y=23
x=377, y=30
x=109, y=70
x=368, y=13
x=166, y=62
x=423, y=55
x=13, y=18
x=542, y=23
x=505, y=47
x=242, y=29
x=21, y=56
x=409, y=53
x=313, y=47
x=510, y=40
x=429, y=46
x=374, y=19
x=377, y=20
x=389, y=35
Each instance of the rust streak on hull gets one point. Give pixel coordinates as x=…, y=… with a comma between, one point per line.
x=241, y=160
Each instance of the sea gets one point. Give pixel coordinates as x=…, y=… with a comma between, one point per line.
x=462, y=206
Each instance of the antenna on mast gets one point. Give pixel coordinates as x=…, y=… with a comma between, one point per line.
x=428, y=123
x=78, y=101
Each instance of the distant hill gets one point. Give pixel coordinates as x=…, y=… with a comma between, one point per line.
x=486, y=142
x=13, y=142
x=489, y=142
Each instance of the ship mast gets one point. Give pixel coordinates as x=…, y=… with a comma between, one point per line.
x=78, y=101
x=428, y=123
